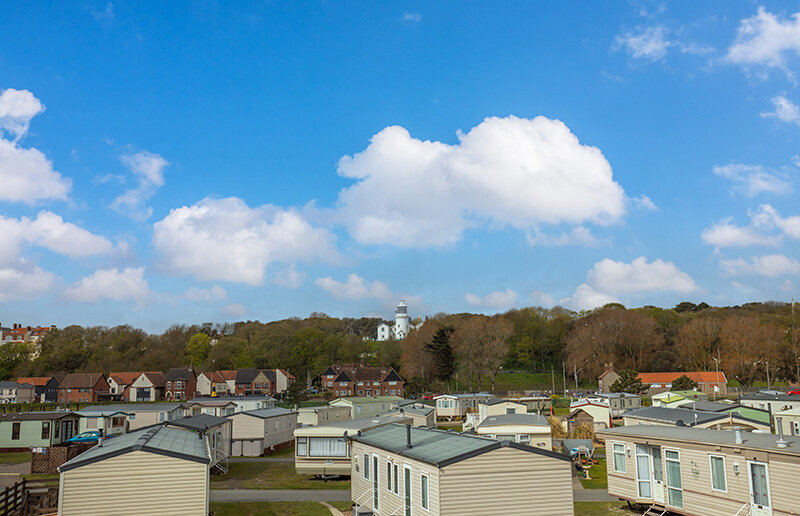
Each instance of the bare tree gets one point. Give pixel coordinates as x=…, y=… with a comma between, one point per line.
x=469, y=342
x=497, y=330
x=698, y=343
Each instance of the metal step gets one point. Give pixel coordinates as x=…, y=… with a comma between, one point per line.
x=655, y=510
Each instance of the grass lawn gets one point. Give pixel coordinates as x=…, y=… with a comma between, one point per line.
x=602, y=508
x=15, y=457
x=560, y=411
x=342, y=506
x=43, y=478
x=271, y=509
x=458, y=427
x=599, y=478
x=270, y=475
x=288, y=452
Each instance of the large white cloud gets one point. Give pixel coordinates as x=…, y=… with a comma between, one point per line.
x=514, y=171
x=22, y=281
x=148, y=169
x=587, y=298
x=26, y=175
x=224, y=239
x=770, y=266
x=766, y=39
x=127, y=284
x=613, y=277
x=355, y=288
x=499, y=299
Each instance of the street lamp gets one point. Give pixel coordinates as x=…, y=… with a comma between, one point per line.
x=716, y=386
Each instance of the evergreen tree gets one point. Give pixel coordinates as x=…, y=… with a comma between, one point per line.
x=441, y=351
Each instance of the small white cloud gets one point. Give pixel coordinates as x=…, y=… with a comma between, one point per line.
x=114, y=284
x=235, y=310
x=645, y=42
x=727, y=234
x=355, y=288
x=23, y=282
x=752, y=180
x=587, y=298
x=643, y=202
x=226, y=240
x=411, y=18
x=498, y=300
x=579, y=235
x=104, y=15
x=766, y=39
x=205, y=295
x=17, y=108
x=770, y=266
x=148, y=169
x=785, y=111
x=639, y=276
x=542, y=298
x=766, y=217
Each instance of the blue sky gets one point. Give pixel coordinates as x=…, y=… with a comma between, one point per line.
x=203, y=161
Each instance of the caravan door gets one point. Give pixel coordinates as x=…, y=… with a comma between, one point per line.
x=760, y=501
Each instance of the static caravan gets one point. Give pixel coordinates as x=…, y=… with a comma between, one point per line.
x=419, y=413
x=530, y=429
x=695, y=418
x=325, y=450
x=400, y=470
x=107, y=422
x=156, y=471
x=619, y=402
x=313, y=416
x=367, y=406
x=21, y=431
x=257, y=431
x=700, y=472
x=456, y=406
x=493, y=407
x=139, y=415
x=243, y=403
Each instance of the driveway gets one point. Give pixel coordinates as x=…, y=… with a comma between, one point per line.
x=9, y=473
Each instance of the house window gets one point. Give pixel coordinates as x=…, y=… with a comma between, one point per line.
x=718, y=480
x=394, y=391
x=423, y=482
x=796, y=427
x=619, y=458
x=366, y=466
x=674, y=484
x=46, y=430
x=15, y=431
x=302, y=447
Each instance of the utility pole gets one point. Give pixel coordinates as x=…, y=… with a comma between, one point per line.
x=564, y=372
x=552, y=379
x=575, y=370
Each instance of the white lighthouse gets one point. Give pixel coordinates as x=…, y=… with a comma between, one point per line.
x=402, y=325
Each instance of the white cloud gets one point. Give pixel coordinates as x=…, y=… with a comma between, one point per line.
x=768, y=217
x=499, y=300
x=205, y=295
x=235, y=310
x=355, y=288
x=612, y=277
x=766, y=227
x=226, y=240
x=289, y=277
x=411, y=18
x=754, y=179
x=23, y=281
x=770, y=266
x=587, y=298
x=17, y=108
x=26, y=175
x=579, y=235
x=542, y=298
x=49, y=231
x=148, y=169
x=114, y=284
x=643, y=202
x=785, y=111
x=766, y=39
x=513, y=171
x=645, y=42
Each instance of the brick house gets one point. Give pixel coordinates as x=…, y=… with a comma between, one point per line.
x=181, y=384
x=359, y=380
x=607, y=379
x=83, y=387
x=706, y=381
x=39, y=382
x=253, y=381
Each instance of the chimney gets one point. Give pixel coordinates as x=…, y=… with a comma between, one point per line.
x=737, y=435
x=781, y=442
x=408, y=436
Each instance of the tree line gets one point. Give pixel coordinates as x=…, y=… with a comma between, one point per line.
x=748, y=342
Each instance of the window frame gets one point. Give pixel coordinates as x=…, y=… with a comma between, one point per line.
x=389, y=476
x=666, y=452
x=396, y=478
x=425, y=494
x=711, y=457
x=614, y=456
x=365, y=465
x=46, y=433
x=16, y=428
x=297, y=446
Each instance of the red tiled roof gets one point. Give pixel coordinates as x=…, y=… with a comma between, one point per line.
x=80, y=380
x=157, y=378
x=221, y=376
x=697, y=376
x=126, y=378
x=37, y=381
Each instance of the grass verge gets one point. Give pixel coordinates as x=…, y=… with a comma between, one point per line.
x=271, y=509
x=15, y=457
x=602, y=508
x=598, y=476
x=270, y=475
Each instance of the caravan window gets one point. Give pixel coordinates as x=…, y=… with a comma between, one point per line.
x=619, y=458
x=302, y=447
x=326, y=447
x=718, y=480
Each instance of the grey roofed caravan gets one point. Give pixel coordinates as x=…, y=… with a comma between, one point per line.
x=199, y=422
x=159, y=439
x=751, y=440
x=266, y=413
x=131, y=407
x=686, y=416
x=438, y=447
x=515, y=419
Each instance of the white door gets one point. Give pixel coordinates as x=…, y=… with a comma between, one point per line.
x=758, y=476
x=658, y=474
x=643, y=484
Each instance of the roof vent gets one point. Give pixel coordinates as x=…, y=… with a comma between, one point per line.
x=408, y=436
x=680, y=423
x=737, y=435
x=781, y=442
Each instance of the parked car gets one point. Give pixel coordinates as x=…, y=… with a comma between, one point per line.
x=91, y=436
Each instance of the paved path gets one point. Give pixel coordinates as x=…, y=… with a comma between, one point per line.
x=343, y=495
x=261, y=459
x=9, y=473
x=334, y=510
x=280, y=495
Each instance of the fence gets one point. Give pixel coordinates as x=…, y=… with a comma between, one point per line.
x=47, y=460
